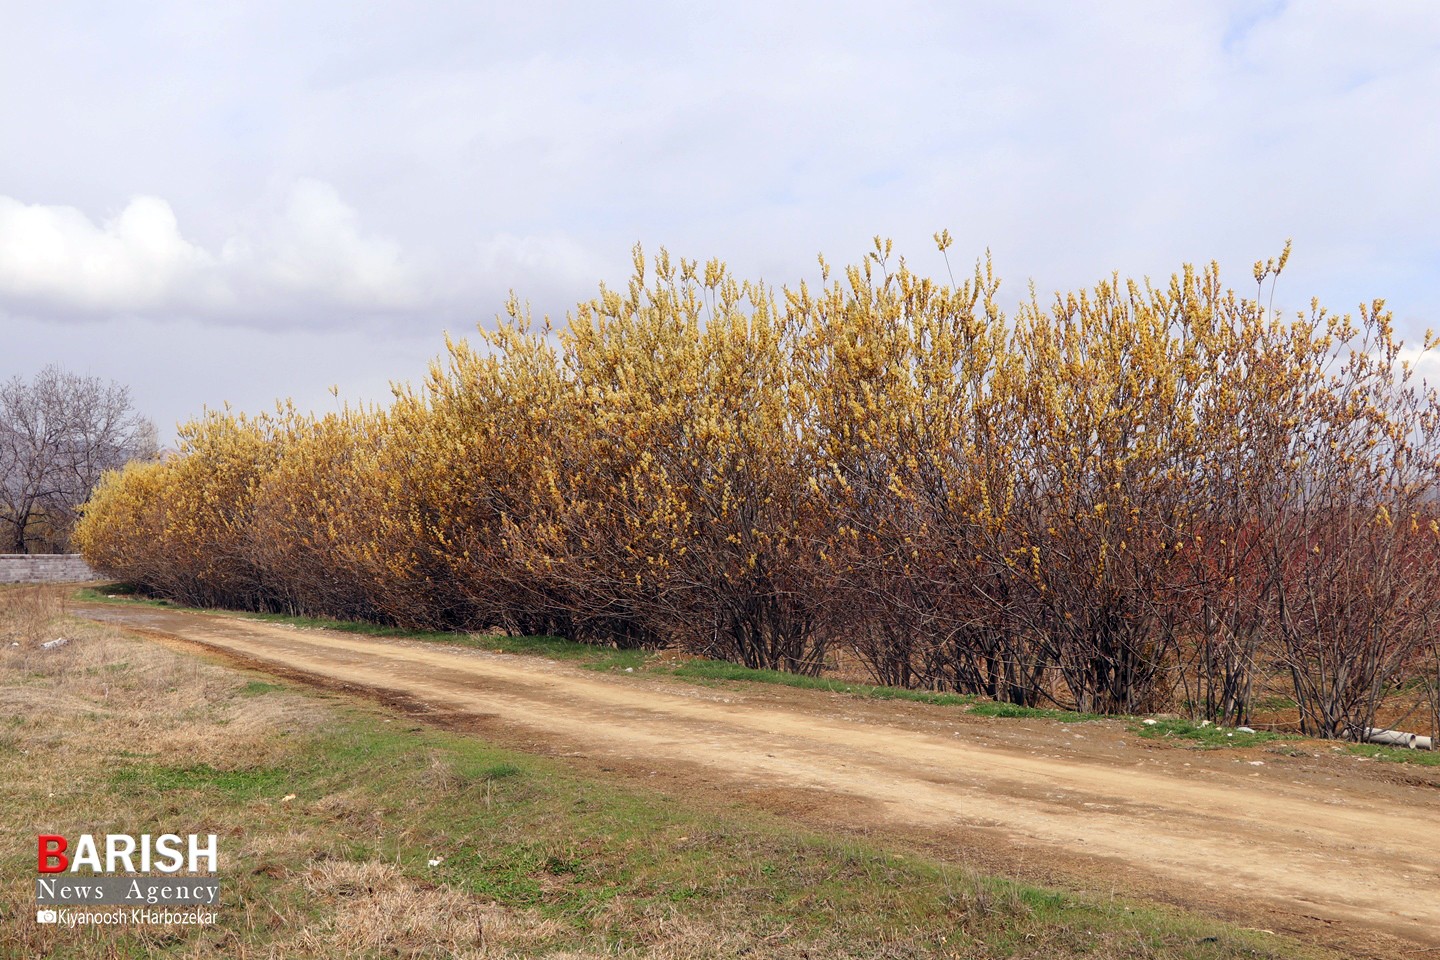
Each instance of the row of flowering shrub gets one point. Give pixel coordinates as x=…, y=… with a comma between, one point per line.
x=1122, y=498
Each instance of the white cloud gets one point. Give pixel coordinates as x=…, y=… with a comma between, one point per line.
x=317, y=249
x=311, y=259
x=135, y=262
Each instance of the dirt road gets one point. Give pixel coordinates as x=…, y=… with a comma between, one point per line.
x=1296, y=837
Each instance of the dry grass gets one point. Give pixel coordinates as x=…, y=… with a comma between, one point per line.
x=152, y=701
x=382, y=911
x=30, y=614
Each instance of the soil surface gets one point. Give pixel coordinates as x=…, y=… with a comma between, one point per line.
x=1294, y=836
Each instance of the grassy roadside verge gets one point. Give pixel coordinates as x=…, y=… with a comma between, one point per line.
x=713, y=670
x=1203, y=734
x=350, y=832
x=554, y=648
x=1374, y=751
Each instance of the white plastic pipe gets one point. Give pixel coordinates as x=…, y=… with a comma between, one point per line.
x=1395, y=738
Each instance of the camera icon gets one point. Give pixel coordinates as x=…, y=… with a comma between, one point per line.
x=47, y=916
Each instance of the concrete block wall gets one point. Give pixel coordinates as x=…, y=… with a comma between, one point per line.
x=43, y=568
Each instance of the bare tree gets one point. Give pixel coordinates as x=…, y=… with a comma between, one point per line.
x=58, y=433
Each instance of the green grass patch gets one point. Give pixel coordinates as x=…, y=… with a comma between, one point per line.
x=587, y=655
x=258, y=688
x=1374, y=751
x=117, y=588
x=500, y=771
x=237, y=784
x=721, y=670
x=1008, y=710
x=1206, y=735
x=117, y=593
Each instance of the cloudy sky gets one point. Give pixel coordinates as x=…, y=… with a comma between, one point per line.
x=238, y=202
